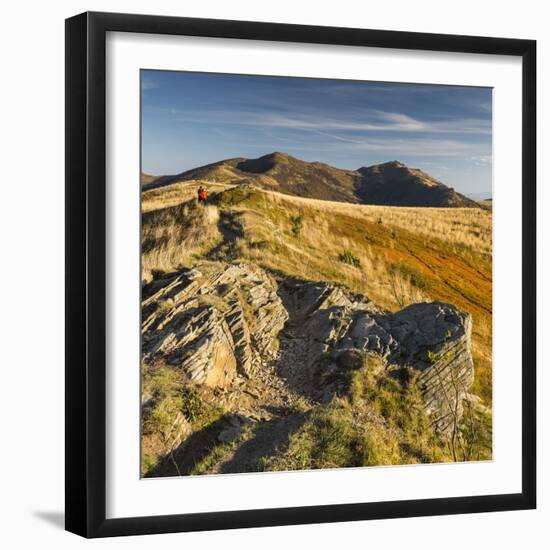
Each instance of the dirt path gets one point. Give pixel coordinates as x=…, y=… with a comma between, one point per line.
x=263, y=441
x=272, y=405
x=279, y=407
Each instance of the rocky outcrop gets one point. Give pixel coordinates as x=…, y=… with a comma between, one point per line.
x=221, y=322
x=433, y=340
x=214, y=323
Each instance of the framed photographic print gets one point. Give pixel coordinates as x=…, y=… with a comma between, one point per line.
x=300, y=274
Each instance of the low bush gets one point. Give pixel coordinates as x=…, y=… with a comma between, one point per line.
x=296, y=222
x=191, y=404
x=347, y=257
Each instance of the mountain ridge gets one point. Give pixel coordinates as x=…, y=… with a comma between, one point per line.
x=391, y=183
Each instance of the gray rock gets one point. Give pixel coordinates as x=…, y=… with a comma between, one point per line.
x=433, y=339
x=214, y=323
x=219, y=324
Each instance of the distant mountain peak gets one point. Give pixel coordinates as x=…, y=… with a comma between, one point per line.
x=278, y=155
x=395, y=184
x=389, y=165
x=390, y=183
x=265, y=163
x=394, y=163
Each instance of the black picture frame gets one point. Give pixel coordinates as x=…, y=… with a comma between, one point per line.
x=86, y=274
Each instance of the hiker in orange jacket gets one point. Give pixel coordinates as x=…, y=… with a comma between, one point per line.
x=202, y=195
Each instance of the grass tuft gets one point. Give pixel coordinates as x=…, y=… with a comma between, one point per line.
x=380, y=421
x=347, y=257
x=296, y=222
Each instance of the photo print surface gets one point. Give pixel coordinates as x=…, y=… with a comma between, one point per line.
x=316, y=265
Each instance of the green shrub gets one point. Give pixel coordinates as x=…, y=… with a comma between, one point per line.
x=296, y=222
x=401, y=406
x=192, y=406
x=163, y=415
x=171, y=394
x=148, y=462
x=347, y=257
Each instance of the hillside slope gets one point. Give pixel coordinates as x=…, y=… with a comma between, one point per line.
x=391, y=183
x=146, y=179
x=263, y=418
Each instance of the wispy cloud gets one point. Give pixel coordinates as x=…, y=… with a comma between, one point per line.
x=373, y=121
x=192, y=118
x=147, y=83
x=391, y=148
x=482, y=160
x=404, y=136
x=418, y=147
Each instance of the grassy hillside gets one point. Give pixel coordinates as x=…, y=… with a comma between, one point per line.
x=147, y=179
x=393, y=255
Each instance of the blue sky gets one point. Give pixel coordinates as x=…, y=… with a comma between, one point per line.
x=192, y=119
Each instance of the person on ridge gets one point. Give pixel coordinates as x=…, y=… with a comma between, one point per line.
x=202, y=195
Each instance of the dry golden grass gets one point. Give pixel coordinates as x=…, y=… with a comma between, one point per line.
x=448, y=249
x=460, y=227
x=176, y=193
x=172, y=238
x=393, y=255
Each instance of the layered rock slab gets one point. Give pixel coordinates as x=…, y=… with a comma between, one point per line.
x=217, y=322
x=213, y=322
x=433, y=340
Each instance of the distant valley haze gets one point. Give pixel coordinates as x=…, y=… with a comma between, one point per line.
x=191, y=120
